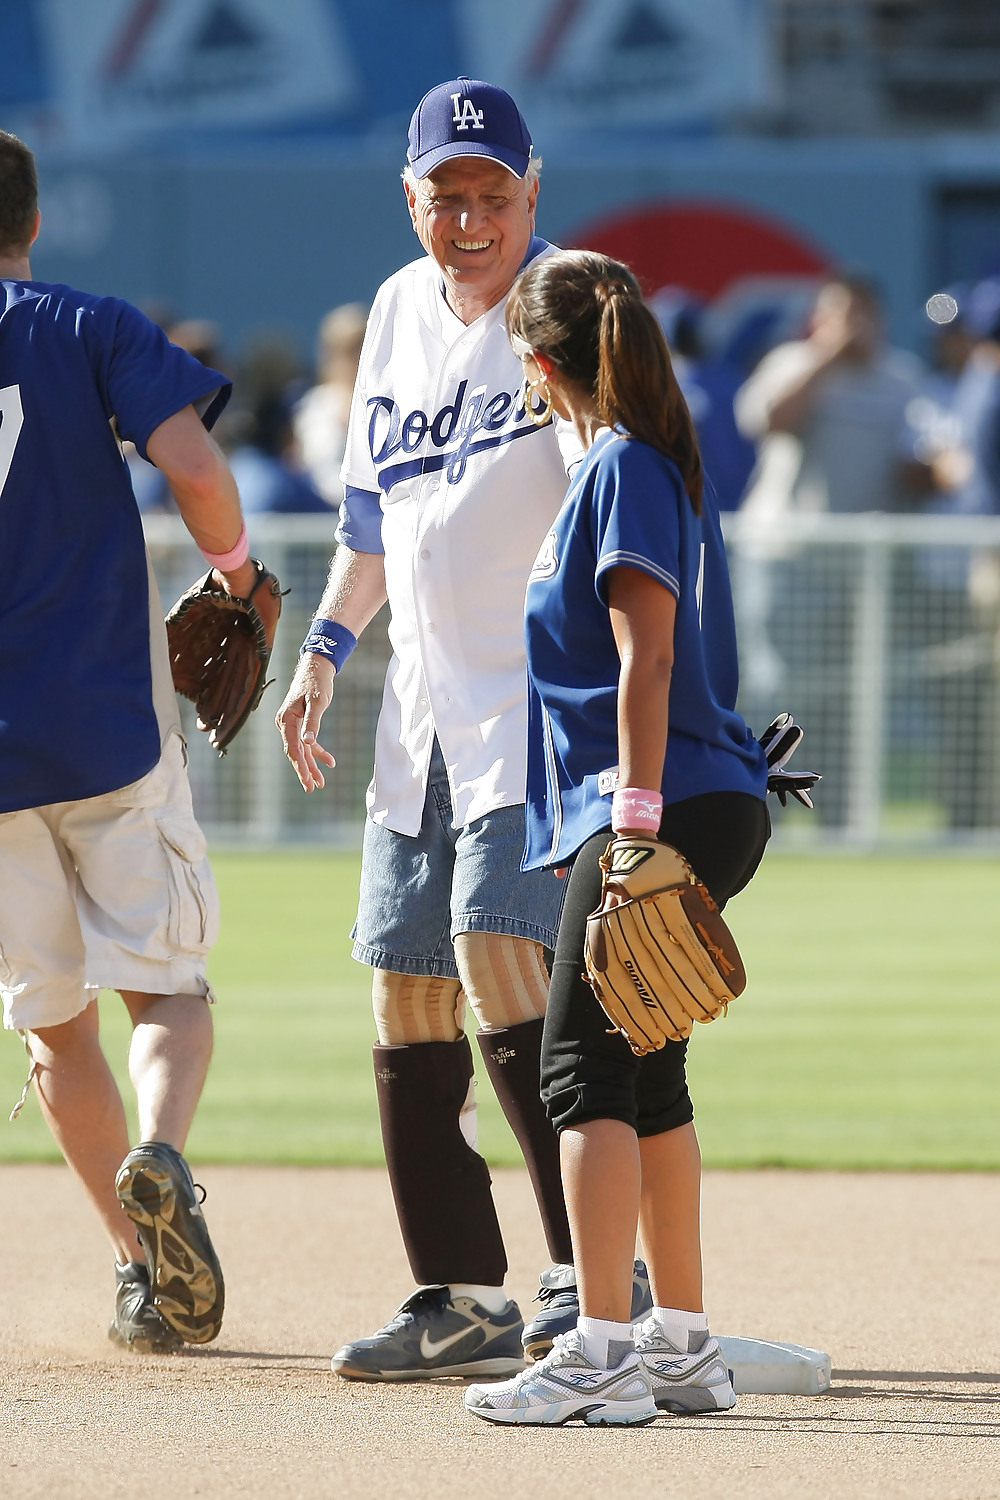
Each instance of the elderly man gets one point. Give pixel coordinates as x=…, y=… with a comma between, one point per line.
x=451, y=485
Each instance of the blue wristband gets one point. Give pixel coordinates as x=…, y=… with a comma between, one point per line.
x=335, y=642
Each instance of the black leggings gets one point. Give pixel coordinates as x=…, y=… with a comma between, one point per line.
x=588, y=1074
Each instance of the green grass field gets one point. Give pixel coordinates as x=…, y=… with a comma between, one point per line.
x=869, y=1035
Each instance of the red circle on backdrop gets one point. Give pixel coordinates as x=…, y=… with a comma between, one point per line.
x=700, y=246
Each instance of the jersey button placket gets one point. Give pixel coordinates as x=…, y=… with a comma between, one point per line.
x=428, y=504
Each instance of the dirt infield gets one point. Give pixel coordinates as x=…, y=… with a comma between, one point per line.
x=896, y=1275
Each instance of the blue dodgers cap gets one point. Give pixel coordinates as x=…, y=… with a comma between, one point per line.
x=468, y=117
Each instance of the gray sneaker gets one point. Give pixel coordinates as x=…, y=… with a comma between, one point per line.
x=433, y=1334
x=566, y=1386
x=685, y=1381
x=561, y=1307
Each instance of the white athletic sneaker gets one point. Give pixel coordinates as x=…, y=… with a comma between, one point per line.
x=566, y=1386
x=682, y=1382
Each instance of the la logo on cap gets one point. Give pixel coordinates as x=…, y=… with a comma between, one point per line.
x=467, y=115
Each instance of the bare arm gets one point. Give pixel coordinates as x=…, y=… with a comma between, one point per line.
x=791, y=411
x=354, y=594
x=642, y=619
x=195, y=468
x=846, y=330
x=355, y=589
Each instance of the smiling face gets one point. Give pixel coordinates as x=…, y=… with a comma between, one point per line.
x=476, y=219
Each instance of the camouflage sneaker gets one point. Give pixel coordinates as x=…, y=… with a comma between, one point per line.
x=156, y=1191
x=136, y=1324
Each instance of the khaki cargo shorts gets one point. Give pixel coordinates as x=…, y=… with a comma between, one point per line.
x=112, y=892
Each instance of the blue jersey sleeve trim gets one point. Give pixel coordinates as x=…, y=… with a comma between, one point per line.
x=360, y=525
x=636, y=560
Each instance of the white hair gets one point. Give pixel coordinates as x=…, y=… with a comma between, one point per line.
x=531, y=175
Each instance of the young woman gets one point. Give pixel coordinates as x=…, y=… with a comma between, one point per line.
x=632, y=731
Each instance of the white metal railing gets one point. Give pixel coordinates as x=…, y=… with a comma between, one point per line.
x=880, y=632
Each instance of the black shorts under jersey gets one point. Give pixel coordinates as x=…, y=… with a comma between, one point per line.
x=586, y=1073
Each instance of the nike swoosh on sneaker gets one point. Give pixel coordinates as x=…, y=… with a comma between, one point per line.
x=431, y=1348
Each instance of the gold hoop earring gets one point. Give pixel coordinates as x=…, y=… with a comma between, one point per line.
x=535, y=388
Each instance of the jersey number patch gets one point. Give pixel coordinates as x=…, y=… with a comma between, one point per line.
x=11, y=422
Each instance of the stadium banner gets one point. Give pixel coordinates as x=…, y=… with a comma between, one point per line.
x=127, y=69
x=574, y=64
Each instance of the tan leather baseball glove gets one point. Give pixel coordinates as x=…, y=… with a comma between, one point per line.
x=219, y=650
x=658, y=954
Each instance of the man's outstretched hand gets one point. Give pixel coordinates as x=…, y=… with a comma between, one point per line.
x=299, y=717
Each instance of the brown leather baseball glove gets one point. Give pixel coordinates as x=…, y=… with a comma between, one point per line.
x=662, y=957
x=219, y=650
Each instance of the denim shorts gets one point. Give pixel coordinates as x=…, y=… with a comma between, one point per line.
x=416, y=893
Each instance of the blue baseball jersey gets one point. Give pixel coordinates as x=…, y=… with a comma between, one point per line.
x=627, y=507
x=81, y=639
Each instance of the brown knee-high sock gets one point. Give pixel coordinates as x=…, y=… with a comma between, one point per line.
x=512, y=1056
x=440, y=1185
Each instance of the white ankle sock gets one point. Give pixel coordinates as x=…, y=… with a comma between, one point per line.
x=493, y=1298
x=676, y=1325
x=604, y=1342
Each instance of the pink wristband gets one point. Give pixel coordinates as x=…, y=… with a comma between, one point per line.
x=632, y=807
x=234, y=558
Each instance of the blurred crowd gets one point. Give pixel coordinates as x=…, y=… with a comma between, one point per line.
x=284, y=432
x=836, y=421
x=802, y=407
x=833, y=419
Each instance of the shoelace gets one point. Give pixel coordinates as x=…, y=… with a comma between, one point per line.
x=648, y=1341
x=529, y=1373
x=410, y=1311
x=33, y=1069
x=547, y=1294
x=558, y=1343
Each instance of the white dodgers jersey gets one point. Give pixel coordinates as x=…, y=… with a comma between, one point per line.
x=469, y=487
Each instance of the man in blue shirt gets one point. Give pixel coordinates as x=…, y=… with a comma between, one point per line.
x=104, y=882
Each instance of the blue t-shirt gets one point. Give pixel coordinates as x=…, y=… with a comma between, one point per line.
x=78, y=373
x=626, y=506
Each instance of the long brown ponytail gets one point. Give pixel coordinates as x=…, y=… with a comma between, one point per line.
x=585, y=311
